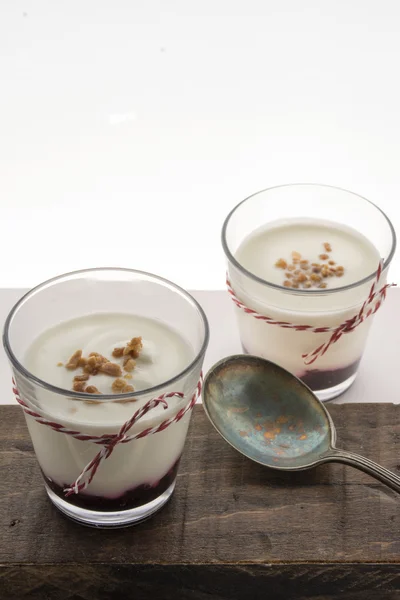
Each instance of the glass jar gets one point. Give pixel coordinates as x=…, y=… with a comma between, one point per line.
x=137, y=477
x=333, y=372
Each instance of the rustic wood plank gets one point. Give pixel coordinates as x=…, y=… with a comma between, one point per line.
x=231, y=529
x=202, y=582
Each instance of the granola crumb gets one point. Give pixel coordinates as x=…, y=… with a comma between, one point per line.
x=325, y=271
x=331, y=262
x=129, y=364
x=323, y=285
x=74, y=360
x=307, y=285
x=324, y=256
x=79, y=386
x=118, y=352
x=288, y=275
x=60, y=364
x=128, y=376
x=134, y=347
x=328, y=247
x=83, y=377
x=118, y=385
x=296, y=255
x=111, y=369
x=315, y=277
x=295, y=285
x=93, y=364
x=287, y=283
x=92, y=389
x=291, y=268
x=281, y=263
x=99, y=357
x=301, y=278
x=304, y=265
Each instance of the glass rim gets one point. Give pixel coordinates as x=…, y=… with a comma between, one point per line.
x=102, y=397
x=276, y=286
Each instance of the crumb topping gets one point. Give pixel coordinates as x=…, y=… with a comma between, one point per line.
x=73, y=362
x=79, y=386
x=92, y=389
x=118, y=385
x=281, y=264
x=303, y=274
x=110, y=368
x=96, y=363
x=118, y=352
x=129, y=364
x=133, y=348
x=83, y=377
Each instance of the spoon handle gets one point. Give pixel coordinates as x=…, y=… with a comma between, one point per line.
x=366, y=465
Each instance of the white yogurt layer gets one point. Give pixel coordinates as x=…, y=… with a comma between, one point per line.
x=165, y=354
x=259, y=253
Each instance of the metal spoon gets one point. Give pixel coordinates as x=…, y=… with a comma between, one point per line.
x=271, y=417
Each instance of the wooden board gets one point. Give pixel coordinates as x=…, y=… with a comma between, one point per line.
x=233, y=529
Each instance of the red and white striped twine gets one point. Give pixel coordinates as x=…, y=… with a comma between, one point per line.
x=110, y=441
x=368, y=309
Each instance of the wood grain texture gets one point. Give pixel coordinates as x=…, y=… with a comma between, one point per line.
x=233, y=529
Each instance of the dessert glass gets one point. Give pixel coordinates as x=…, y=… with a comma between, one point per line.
x=332, y=373
x=139, y=477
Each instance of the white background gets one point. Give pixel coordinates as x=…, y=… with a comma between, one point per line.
x=128, y=129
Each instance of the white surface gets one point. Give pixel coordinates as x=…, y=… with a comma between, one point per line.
x=376, y=381
x=128, y=129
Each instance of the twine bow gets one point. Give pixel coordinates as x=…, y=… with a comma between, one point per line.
x=110, y=441
x=369, y=308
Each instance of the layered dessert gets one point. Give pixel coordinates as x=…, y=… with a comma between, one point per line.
x=109, y=354
x=310, y=264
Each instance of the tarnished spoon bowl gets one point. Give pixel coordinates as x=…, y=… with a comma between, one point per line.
x=271, y=417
